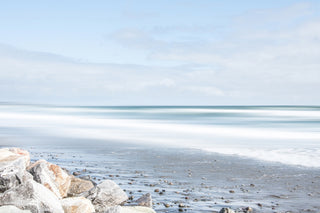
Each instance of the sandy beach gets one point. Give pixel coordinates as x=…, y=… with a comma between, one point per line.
x=190, y=180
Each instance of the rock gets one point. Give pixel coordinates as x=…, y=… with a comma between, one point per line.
x=32, y=196
x=22, y=153
x=13, y=163
x=226, y=210
x=128, y=209
x=78, y=186
x=248, y=210
x=144, y=200
x=76, y=173
x=77, y=205
x=136, y=209
x=106, y=194
x=85, y=177
x=51, y=176
x=12, y=209
x=113, y=209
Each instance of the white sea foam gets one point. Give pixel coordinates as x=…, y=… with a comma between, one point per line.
x=300, y=157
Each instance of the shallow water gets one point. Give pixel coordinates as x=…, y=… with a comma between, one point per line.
x=285, y=134
x=201, y=181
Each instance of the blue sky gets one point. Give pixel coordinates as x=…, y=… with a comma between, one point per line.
x=160, y=52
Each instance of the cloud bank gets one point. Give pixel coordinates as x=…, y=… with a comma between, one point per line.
x=265, y=57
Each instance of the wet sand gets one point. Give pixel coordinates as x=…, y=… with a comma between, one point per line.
x=190, y=180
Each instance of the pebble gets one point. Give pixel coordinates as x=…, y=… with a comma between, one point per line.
x=76, y=173
x=156, y=190
x=231, y=191
x=166, y=205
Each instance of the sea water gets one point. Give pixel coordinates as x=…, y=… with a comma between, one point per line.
x=285, y=134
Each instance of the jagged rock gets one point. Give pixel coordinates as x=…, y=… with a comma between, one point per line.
x=136, y=209
x=144, y=200
x=32, y=196
x=13, y=164
x=226, y=210
x=12, y=209
x=21, y=153
x=78, y=186
x=77, y=205
x=106, y=194
x=51, y=176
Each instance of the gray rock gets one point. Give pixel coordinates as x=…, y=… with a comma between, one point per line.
x=32, y=196
x=128, y=209
x=13, y=163
x=77, y=205
x=106, y=194
x=51, y=176
x=78, y=186
x=226, y=210
x=12, y=209
x=144, y=200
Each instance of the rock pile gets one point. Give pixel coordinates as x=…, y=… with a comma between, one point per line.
x=45, y=187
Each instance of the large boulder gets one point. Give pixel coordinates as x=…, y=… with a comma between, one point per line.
x=13, y=163
x=106, y=194
x=32, y=196
x=12, y=209
x=78, y=186
x=51, y=176
x=77, y=205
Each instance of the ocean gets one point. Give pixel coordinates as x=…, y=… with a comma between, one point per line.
x=284, y=134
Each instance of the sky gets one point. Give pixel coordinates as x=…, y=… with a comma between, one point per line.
x=168, y=52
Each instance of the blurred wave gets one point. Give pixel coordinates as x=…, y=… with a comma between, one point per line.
x=287, y=134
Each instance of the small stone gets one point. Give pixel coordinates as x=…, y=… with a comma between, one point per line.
x=145, y=200
x=248, y=209
x=259, y=204
x=231, y=191
x=156, y=190
x=226, y=210
x=166, y=205
x=181, y=205
x=76, y=173
x=85, y=177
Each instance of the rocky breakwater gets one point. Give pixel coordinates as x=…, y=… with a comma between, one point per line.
x=45, y=187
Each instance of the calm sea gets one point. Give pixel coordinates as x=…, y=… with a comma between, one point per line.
x=285, y=134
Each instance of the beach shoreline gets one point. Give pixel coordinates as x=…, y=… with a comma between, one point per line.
x=188, y=179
